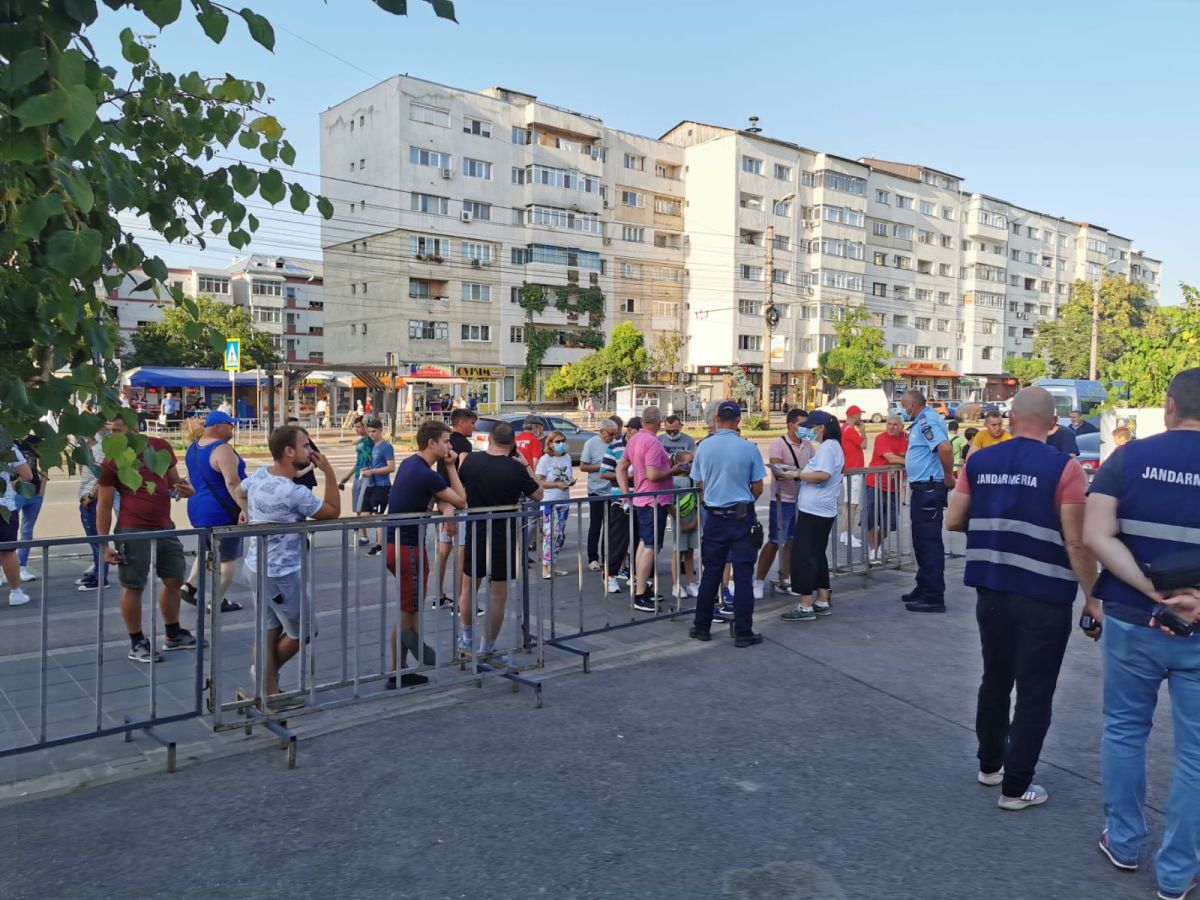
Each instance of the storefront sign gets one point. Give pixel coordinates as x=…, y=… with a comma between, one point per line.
x=479, y=373
x=922, y=366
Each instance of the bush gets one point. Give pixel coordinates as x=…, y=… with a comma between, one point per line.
x=970, y=411
x=754, y=423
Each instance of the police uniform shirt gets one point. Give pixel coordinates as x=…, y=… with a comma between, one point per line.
x=727, y=465
x=921, y=461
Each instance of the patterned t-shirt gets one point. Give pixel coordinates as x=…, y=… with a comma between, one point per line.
x=273, y=498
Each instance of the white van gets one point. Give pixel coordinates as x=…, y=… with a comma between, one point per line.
x=872, y=401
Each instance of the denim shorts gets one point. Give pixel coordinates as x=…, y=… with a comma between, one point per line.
x=284, y=596
x=788, y=521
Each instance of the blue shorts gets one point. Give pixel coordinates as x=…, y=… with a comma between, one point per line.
x=789, y=521
x=880, y=508
x=231, y=548
x=652, y=525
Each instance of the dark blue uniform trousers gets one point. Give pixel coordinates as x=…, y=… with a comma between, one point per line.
x=926, y=509
x=727, y=538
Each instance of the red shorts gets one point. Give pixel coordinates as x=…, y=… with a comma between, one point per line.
x=409, y=595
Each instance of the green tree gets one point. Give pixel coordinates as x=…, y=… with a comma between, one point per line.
x=742, y=388
x=170, y=342
x=665, y=356
x=1167, y=343
x=1026, y=371
x=79, y=151
x=627, y=354
x=859, y=358
x=1065, y=343
x=587, y=376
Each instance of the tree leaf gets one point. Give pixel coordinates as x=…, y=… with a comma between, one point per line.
x=325, y=207
x=161, y=12
x=73, y=252
x=244, y=179
x=80, y=191
x=131, y=49
x=43, y=109
x=155, y=268
x=287, y=153
x=214, y=22
x=300, y=198
x=260, y=29
x=81, y=112
x=28, y=65
x=127, y=257
x=444, y=9
x=395, y=7
x=271, y=187
x=238, y=238
x=248, y=139
x=268, y=126
x=252, y=221
x=83, y=11
x=31, y=217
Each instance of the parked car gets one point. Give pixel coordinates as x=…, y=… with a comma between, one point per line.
x=942, y=408
x=1089, y=453
x=576, y=436
x=872, y=401
x=895, y=409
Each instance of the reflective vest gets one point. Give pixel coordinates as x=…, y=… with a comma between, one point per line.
x=1158, y=510
x=1014, y=538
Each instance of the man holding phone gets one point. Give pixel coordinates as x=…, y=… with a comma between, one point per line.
x=1144, y=505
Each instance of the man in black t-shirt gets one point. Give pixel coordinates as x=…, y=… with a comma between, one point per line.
x=492, y=478
x=462, y=425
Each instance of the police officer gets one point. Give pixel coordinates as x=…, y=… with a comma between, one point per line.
x=729, y=471
x=1144, y=504
x=1021, y=503
x=929, y=463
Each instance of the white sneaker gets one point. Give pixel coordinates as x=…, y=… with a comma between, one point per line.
x=855, y=542
x=1035, y=796
x=26, y=575
x=17, y=597
x=759, y=586
x=693, y=589
x=614, y=587
x=729, y=587
x=843, y=537
x=678, y=591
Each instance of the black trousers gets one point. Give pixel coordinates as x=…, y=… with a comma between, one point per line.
x=810, y=565
x=619, y=524
x=597, y=507
x=1023, y=641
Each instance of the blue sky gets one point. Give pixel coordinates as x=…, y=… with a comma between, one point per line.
x=1082, y=109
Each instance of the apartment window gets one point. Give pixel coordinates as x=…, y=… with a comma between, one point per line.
x=518, y=175
x=749, y=341
x=924, y=294
x=270, y=316
x=882, y=196
x=420, y=157
x=668, y=273
x=782, y=242
x=264, y=288
x=627, y=305
x=418, y=289
x=900, y=291
x=666, y=206
x=902, y=262
x=629, y=198
x=1016, y=228
x=903, y=232
x=750, y=307
x=516, y=334
x=666, y=309
x=1012, y=331
x=751, y=165
x=986, y=353
x=827, y=342
x=752, y=273
x=927, y=208
x=966, y=245
x=879, y=258
x=662, y=171
x=481, y=127
x=631, y=270
x=878, y=289
x=945, y=269
x=480, y=293
x=988, y=326
x=947, y=213
x=637, y=163
x=480, y=252
x=921, y=323
x=808, y=179
x=901, y=350
x=941, y=353
x=1043, y=310
x=943, y=298
x=477, y=210
x=430, y=115
x=993, y=219
x=423, y=245
x=1015, y=255
x=903, y=202
x=780, y=276
x=363, y=287
x=428, y=203
x=921, y=352
x=750, y=201
x=476, y=333
x=783, y=208
x=520, y=135
x=783, y=173
x=633, y=233
x=879, y=229
x=477, y=168
x=427, y=330
x=210, y=284
x=924, y=237
x=353, y=288
x=947, y=242
x=840, y=182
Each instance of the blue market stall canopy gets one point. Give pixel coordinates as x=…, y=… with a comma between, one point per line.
x=175, y=377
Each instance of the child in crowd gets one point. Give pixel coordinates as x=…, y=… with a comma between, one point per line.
x=687, y=513
x=554, y=475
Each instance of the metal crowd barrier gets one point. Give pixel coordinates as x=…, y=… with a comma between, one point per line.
x=883, y=501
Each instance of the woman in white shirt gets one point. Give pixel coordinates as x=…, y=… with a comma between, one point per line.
x=816, y=513
x=554, y=475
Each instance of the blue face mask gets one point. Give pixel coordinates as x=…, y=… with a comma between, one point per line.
x=560, y=447
x=806, y=434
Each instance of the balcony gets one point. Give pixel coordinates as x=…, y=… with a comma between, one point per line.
x=291, y=328
x=316, y=330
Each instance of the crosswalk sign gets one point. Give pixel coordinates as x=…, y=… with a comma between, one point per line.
x=233, y=355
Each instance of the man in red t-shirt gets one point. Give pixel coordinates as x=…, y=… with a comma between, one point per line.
x=881, y=498
x=853, y=439
x=529, y=441
x=148, y=508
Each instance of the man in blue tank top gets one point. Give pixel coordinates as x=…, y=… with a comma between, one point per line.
x=1021, y=504
x=1145, y=504
x=215, y=470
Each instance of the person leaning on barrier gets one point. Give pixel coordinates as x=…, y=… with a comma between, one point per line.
x=590, y=459
x=271, y=495
x=729, y=471
x=620, y=523
x=1144, y=504
x=450, y=535
x=419, y=483
x=929, y=463
x=787, y=456
x=881, y=499
x=145, y=508
x=1021, y=504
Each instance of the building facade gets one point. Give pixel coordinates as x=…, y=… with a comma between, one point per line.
x=448, y=201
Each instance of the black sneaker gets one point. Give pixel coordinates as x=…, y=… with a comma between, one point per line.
x=228, y=605
x=723, y=613
x=376, y=550
x=644, y=604
x=699, y=634
x=924, y=606
x=142, y=652
x=747, y=640
x=188, y=593
x=183, y=640
x=89, y=584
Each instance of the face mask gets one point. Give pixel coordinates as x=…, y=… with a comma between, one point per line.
x=673, y=433
x=560, y=447
x=806, y=434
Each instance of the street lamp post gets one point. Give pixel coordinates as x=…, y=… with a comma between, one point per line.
x=770, y=314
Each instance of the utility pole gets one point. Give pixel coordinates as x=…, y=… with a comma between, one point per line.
x=768, y=314
x=1095, y=329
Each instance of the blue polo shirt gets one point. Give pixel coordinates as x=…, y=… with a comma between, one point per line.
x=921, y=461
x=726, y=465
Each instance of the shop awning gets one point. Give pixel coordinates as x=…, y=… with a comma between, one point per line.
x=413, y=379
x=177, y=377
x=918, y=372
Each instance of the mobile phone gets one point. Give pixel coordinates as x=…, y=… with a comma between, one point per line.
x=277, y=599
x=1087, y=623
x=1172, y=621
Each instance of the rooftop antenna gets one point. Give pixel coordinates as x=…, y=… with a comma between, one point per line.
x=754, y=129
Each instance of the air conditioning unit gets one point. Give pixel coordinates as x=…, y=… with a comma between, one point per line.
x=593, y=278
x=1022, y=315
x=685, y=377
x=466, y=216
x=475, y=264
x=446, y=173
x=687, y=239
x=608, y=242
x=573, y=275
x=606, y=204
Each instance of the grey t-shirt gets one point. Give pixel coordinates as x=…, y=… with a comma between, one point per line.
x=593, y=455
x=681, y=441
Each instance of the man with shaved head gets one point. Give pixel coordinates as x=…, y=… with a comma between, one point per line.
x=1021, y=503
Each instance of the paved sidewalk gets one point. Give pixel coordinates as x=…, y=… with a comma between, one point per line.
x=834, y=761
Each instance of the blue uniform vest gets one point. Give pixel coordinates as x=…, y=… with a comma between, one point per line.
x=1014, y=539
x=1158, y=509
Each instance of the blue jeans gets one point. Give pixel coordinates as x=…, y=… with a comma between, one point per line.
x=87, y=518
x=1136, y=661
x=29, y=516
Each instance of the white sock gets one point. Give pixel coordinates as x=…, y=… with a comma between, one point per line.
x=487, y=645
x=468, y=635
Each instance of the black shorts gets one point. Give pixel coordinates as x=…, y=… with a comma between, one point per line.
x=497, y=560
x=375, y=500
x=10, y=530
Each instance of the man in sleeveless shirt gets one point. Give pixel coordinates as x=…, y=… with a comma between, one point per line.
x=215, y=470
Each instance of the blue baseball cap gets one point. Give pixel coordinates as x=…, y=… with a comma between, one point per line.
x=729, y=410
x=216, y=417
x=817, y=417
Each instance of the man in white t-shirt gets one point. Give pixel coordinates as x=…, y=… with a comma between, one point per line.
x=271, y=495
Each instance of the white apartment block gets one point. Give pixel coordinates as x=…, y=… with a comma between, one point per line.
x=446, y=201
x=283, y=295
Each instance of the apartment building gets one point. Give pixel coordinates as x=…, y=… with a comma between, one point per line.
x=447, y=201
x=283, y=295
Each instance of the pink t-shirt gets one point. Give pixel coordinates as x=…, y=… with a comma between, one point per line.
x=791, y=454
x=642, y=450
